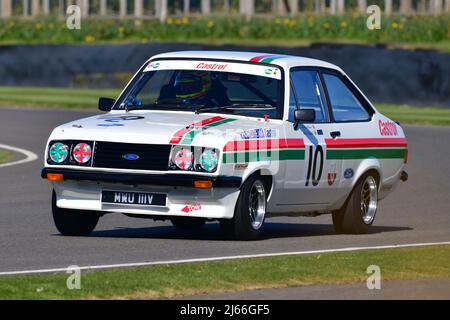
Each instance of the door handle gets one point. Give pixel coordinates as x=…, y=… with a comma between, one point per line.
x=335, y=134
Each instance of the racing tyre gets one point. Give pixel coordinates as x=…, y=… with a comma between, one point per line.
x=186, y=223
x=250, y=211
x=73, y=222
x=359, y=213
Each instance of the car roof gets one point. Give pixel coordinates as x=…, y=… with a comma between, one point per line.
x=285, y=61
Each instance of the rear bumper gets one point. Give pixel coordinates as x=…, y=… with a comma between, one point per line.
x=175, y=180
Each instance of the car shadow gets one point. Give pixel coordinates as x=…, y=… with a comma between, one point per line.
x=212, y=232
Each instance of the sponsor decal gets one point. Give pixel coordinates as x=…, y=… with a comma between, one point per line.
x=388, y=128
x=258, y=134
x=332, y=175
x=154, y=65
x=212, y=66
x=241, y=166
x=192, y=208
x=246, y=151
x=107, y=125
x=349, y=173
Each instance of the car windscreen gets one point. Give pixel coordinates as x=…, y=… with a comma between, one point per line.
x=210, y=87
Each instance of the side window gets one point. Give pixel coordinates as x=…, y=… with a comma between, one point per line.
x=344, y=104
x=309, y=93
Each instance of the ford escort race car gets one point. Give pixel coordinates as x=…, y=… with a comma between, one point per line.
x=228, y=136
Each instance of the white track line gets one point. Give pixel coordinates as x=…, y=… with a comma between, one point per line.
x=29, y=156
x=156, y=263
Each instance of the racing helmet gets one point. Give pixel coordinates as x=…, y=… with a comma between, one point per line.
x=192, y=85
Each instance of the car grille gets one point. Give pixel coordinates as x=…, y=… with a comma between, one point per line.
x=112, y=156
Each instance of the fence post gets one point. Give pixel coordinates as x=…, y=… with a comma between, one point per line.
x=405, y=6
x=84, y=8
x=35, y=8
x=25, y=8
x=447, y=6
x=333, y=7
x=122, y=8
x=226, y=6
x=161, y=10
x=436, y=7
x=247, y=8
x=46, y=7
x=6, y=8
x=186, y=7
x=362, y=6
x=103, y=6
x=294, y=7
x=138, y=8
x=341, y=6
x=388, y=7
x=206, y=7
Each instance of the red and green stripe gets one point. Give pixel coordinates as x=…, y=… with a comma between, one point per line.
x=294, y=149
x=380, y=148
x=187, y=135
x=267, y=58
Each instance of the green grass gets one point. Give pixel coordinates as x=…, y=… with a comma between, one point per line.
x=431, y=31
x=416, y=115
x=5, y=156
x=169, y=281
x=88, y=99
x=53, y=97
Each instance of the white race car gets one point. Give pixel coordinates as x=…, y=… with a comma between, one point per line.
x=228, y=136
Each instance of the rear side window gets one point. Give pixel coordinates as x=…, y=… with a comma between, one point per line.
x=345, y=106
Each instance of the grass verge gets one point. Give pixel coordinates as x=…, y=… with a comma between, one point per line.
x=69, y=98
x=171, y=281
x=5, y=156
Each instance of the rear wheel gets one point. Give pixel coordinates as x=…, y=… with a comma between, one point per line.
x=250, y=212
x=74, y=222
x=186, y=223
x=360, y=210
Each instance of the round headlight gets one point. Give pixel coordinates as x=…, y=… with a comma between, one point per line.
x=184, y=158
x=58, y=152
x=209, y=160
x=82, y=153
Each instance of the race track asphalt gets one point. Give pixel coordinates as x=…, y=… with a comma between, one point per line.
x=418, y=211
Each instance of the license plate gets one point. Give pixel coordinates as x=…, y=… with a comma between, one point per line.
x=134, y=198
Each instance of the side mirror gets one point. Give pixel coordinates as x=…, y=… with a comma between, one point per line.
x=106, y=104
x=304, y=116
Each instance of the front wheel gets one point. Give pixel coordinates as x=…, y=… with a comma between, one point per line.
x=250, y=212
x=73, y=222
x=359, y=213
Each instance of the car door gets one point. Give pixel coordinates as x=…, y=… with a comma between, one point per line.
x=306, y=186
x=350, y=115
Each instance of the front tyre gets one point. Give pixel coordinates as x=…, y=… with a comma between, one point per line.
x=73, y=222
x=250, y=211
x=359, y=213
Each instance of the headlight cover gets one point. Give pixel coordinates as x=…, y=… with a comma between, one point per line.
x=209, y=160
x=82, y=153
x=58, y=152
x=183, y=158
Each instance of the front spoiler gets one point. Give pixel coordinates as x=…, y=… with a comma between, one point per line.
x=176, y=180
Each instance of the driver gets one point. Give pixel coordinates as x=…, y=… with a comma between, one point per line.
x=197, y=88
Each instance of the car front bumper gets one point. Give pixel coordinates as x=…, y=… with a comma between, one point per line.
x=83, y=191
